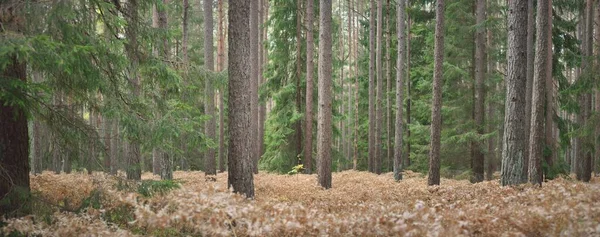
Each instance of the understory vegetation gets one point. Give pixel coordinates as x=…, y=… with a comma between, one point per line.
x=361, y=204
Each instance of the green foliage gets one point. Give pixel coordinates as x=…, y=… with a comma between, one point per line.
x=296, y=169
x=149, y=188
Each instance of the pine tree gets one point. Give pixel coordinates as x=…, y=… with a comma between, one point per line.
x=210, y=164
x=308, y=116
x=398, y=166
x=324, y=123
x=513, y=150
x=240, y=161
x=436, y=107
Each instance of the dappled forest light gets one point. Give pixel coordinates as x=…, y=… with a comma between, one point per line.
x=361, y=204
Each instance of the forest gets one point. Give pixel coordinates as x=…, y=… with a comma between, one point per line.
x=299, y=118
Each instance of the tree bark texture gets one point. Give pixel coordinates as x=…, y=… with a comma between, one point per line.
x=308, y=117
x=436, y=107
x=379, y=90
x=529, y=84
x=513, y=148
x=398, y=166
x=210, y=164
x=324, y=123
x=134, y=169
x=254, y=80
x=240, y=157
x=536, y=142
x=372, y=110
x=477, y=164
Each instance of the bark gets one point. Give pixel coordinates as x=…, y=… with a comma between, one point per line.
x=596, y=162
x=406, y=161
x=398, y=166
x=351, y=73
x=14, y=135
x=185, y=36
x=372, y=134
x=107, y=125
x=529, y=85
x=536, y=143
x=240, y=157
x=324, y=125
x=379, y=89
x=308, y=117
x=477, y=164
x=298, y=125
x=388, y=89
x=550, y=125
x=210, y=167
x=357, y=88
x=131, y=48
x=513, y=147
x=254, y=81
x=436, y=107
x=491, y=108
x=221, y=67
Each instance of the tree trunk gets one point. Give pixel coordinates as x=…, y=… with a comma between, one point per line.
x=550, y=111
x=372, y=134
x=163, y=158
x=185, y=36
x=536, y=143
x=477, y=164
x=240, y=157
x=596, y=162
x=324, y=125
x=436, y=107
x=399, y=90
x=221, y=67
x=210, y=167
x=357, y=88
x=379, y=90
x=14, y=135
x=308, y=117
x=529, y=85
x=254, y=81
x=513, y=148
x=491, y=108
x=298, y=125
x=131, y=48
x=114, y=148
x=388, y=89
x=406, y=161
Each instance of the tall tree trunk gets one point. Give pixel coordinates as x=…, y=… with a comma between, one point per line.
x=436, y=107
x=134, y=170
x=536, y=145
x=210, y=167
x=596, y=162
x=388, y=88
x=529, y=85
x=221, y=67
x=254, y=80
x=240, y=158
x=106, y=127
x=550, y=107
x=351, y=73
x=513, y=148
x=491, y=116
x=14, y=136
x=185, y=36
x=399, y=90
x=372, y=134
x=379, y=90
x=324, y=125
x=477, y=164
x=357, y=88
x=308, y=117
x=406, y=161
x=164, y=159
x=298, y=125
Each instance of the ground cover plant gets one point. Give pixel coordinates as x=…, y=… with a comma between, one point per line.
x=360, y=204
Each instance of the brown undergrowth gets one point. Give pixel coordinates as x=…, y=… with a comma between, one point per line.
x=359, y=204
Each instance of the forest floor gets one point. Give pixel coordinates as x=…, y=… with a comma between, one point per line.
x=359, y=204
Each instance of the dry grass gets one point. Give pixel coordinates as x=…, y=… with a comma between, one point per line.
x=360, y=204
